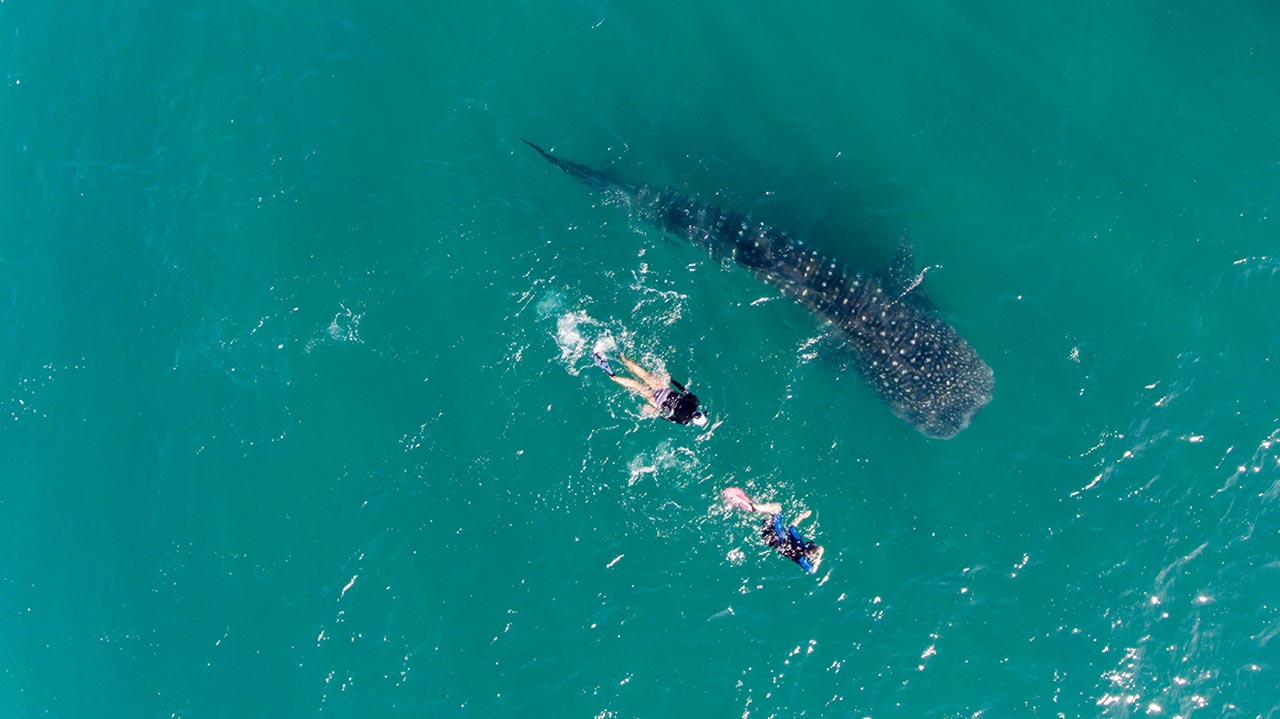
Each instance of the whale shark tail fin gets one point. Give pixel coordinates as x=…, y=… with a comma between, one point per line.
x=595, y=179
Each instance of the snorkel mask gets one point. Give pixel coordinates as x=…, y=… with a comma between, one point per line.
x=699, y=418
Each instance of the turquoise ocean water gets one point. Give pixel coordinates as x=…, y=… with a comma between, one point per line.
x=298, y=414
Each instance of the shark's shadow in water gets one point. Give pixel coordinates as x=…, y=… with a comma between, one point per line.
x=914, y=360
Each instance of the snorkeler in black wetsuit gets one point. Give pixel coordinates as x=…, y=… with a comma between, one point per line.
x=678, y=405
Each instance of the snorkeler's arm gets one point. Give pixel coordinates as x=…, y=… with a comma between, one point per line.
x=803, y=516
x=679, y=386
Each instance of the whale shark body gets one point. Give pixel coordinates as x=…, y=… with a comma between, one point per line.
x=916, y=362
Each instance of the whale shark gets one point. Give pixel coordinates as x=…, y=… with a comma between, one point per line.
x=913, y=359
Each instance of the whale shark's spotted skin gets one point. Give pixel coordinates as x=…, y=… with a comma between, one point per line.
x=914, y=360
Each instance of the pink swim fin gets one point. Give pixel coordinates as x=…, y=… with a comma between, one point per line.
x=735, y=497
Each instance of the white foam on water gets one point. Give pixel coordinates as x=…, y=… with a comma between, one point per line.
x=667, y=459
x=578, y=335
x=345, y=326
x=569, y=338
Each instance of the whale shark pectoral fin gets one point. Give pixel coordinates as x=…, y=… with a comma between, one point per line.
x=900, y=278
x=899, y=274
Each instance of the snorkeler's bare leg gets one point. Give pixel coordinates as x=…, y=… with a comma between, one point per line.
x=649, y=379
x=803, y=516
x=768, y=507
x=633, y=385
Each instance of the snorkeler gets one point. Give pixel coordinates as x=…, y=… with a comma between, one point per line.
x=786, y=540
x=678, y=405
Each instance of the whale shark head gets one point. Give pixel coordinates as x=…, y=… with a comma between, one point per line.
x=923, y=369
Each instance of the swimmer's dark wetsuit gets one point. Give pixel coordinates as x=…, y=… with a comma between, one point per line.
x=788, y=542
x=676, y=406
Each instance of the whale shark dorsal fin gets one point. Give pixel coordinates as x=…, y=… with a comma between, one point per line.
x=901, y=270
